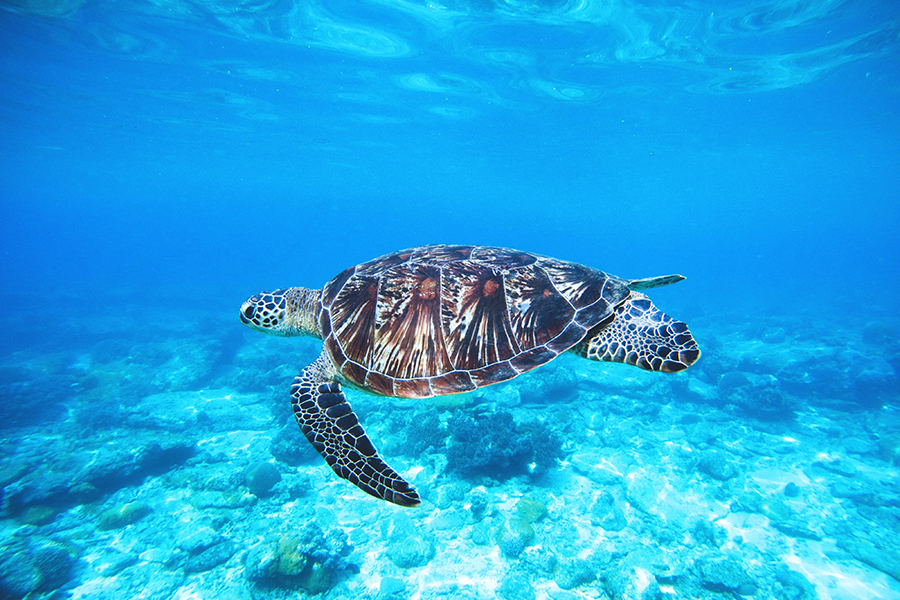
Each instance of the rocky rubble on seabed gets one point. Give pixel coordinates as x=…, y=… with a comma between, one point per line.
x=162, y=463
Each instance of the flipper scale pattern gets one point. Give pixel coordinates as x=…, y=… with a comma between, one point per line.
x=329, y=423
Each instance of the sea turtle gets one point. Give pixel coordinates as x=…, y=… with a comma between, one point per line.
x=441, y=319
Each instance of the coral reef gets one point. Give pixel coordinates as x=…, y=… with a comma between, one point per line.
x=123, y=515
x=29, y=568
x=493, y=444
x=513, y=536
x=261, y=477
x=306, y=558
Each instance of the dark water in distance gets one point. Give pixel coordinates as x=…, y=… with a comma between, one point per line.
x=213, y=150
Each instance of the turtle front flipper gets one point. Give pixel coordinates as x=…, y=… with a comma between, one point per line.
x=640, y=334
x=329, y=423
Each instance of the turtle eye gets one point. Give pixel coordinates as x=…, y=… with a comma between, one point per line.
x=249, y=312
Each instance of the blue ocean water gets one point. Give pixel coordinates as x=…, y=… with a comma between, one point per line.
x=162, y=161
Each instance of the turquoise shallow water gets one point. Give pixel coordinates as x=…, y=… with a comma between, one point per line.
x=162, y=162
x=157, y=455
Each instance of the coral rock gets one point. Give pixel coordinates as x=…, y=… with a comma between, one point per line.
x=122, y=515
x=260, y=478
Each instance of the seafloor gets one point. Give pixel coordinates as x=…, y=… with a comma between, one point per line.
x=150, y=453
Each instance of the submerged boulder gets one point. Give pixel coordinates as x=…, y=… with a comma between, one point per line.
x=417, y=550
x=516, y=585
x=573, y=572
x=408, y=546
x=632, y=583
x=716, y=464
x=260, y=478
x=123, y=514
x=306, y=558
x=725, y=575
x=513, y=536
x=605, y=513
x=209, y=558
x=530, y=511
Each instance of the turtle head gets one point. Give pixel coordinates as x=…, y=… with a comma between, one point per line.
x=284, y=312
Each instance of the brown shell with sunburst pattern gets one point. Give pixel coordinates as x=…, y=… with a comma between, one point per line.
x=437, y=320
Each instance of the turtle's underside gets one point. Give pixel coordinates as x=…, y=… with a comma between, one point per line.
x=438, y=320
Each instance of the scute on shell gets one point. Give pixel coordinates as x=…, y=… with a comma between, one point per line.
x=437, y=320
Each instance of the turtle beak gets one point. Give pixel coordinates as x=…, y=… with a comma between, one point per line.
x=248, y=311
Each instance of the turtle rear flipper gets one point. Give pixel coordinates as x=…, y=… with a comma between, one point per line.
x=329, y=423
x=640, y=334
x=647, y=283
